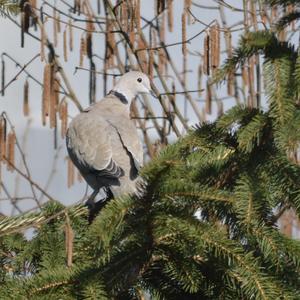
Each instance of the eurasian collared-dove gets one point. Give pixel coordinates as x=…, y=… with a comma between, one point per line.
x=103, y=141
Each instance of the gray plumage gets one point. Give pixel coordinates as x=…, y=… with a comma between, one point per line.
x=103, y=141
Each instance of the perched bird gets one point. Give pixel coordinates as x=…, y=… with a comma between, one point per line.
x=103, y=141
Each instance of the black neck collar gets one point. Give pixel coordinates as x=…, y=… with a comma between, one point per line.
x=120, y=96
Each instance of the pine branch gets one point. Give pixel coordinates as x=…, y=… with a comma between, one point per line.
x=9, y=7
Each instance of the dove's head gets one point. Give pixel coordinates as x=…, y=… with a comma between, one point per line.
x=133, y=83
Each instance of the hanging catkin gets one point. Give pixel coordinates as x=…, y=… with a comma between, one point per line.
x=54, y=28
x=46, y=92
x=63, y=114
x=69, y=234
x=92, y=83
x=142, y=54
x=82, y=50
x=137, y=16
x=77, y=7
x=200, y=75
x=10, y=150
x=33, y=3
x=230, y=83
x=3, y=130
x=220, y=108
x=53, y=101
x=263, y=16
x=206, y=55
x=170, y=15
x=131, y=31
x=187, y=7
x=153, y=36
x=89, y=45
x=84, y=8
x=253, y=14
x=65, y=46
x=90, y=27
x=58, y=27
x=110, y=44
x=214, y=33
x=70, y=173
x=251, y=82
x=183, y=28
x=151, y=64
x=124, y=16
x=274, y=13
x=208, y=99
x=42, y=43
x=26, y=98
x=25, y=19
x=71, y=35
x=2, y=76
x=56, y=90
x=162, y=28
x=160, y=6
x=161, y=60
x=245, y=74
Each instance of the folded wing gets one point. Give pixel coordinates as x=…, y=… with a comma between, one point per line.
x=89, y=146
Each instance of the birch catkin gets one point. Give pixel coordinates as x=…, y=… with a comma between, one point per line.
x=42, y=43
x=10, y=154
x=208, y=99
x=206, y=55
x=187, y=6
x=161, y=60
x=170, y=15
x=137, y=16
x=71, y=44
x=2, y=76
x=2, y=137
x=46, y=93
x=151, y=64
x=58, y=27
x=131, y=31
x=54, y=28
x=25, y=20
x=200, y=75
x=33, y=3
x=70, y=173
x=56, y=91
x=162, y=28
x=214, y=33
x=220, y=108
x=110, y=44
x=142, y=54
x=69, y=234
x=244, y=75
x=54, y=100
x=63, y=114
x=183, y=27
x=65, y=46
x=124, y=16
x=82, y=50
x=26, y=98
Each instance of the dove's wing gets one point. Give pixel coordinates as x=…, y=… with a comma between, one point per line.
x=89, y=146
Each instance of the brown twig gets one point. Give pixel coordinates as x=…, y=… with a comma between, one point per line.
x=15, y=77
x=23, y=158
x=34, y=184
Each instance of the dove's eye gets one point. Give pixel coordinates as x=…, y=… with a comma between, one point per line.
x=139, y=80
